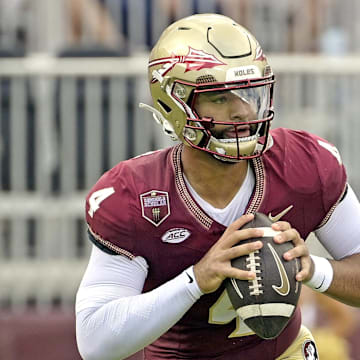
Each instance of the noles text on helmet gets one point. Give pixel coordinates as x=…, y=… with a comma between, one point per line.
x=202, y=65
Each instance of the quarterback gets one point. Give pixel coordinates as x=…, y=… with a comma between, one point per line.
x=165, y=225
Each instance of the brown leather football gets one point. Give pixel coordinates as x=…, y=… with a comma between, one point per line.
x=267, y=303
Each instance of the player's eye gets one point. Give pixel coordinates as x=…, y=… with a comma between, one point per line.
x=220, y=99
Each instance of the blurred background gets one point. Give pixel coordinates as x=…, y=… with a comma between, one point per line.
x=72, y=73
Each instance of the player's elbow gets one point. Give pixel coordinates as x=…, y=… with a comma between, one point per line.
x=93, y=349
x=89, y=354
x=89, y=347
x=94, y=353
x=94, y=342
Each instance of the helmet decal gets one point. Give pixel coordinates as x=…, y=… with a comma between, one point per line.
x=243, y=72
x=195, y=60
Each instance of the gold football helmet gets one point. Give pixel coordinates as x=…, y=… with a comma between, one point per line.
x=211, y=57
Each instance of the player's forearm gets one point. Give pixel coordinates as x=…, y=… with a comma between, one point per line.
x=121, y=327
x=345, y=286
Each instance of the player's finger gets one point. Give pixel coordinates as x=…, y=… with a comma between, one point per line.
x=288, y=235
x=241, y=235
x=281, y=226
x=304, y=273
x=242, y=249
x=232, y=272
x=296, y=252
x=239, y=223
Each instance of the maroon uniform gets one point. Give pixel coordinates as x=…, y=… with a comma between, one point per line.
x=142, y=207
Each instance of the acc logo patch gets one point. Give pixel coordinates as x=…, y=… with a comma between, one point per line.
x=155, y=206
x=176, y=235
x=309, y=350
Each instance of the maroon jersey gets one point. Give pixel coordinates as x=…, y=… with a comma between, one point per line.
x=143, y=207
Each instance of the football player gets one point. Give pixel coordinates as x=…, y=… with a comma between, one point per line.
x=165, y=225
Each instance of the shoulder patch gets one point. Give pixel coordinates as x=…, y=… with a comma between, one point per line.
x=155, y=206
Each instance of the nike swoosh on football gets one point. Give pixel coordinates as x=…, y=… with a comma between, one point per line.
x=284, y=287
x=280, y=214
x=236, y=288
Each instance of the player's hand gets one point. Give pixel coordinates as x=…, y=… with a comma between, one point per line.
x=300, y=249
x=215, y=265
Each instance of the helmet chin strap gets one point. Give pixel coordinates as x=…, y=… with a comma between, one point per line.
x=159, y=118
x=222, y=158
x=226, y=160
x=259, y=148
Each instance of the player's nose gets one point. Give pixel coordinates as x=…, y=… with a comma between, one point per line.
x=240, y=110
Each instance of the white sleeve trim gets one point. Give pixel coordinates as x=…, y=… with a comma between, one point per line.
x=110, y=308
x=341, y=234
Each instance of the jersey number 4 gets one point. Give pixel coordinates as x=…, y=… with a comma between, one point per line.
x=222, y=312
x=97, y=198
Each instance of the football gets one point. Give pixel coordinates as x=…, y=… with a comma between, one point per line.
x=266, y=303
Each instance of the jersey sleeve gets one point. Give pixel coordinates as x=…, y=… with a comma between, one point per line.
x=110, y=207
x=307, y=172
x=332, y=179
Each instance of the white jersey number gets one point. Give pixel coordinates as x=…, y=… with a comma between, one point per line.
x=97, y=198
x=222, y=312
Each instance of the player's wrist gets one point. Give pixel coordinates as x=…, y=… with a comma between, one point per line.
x=206, y=283
x=322, y=274
x=191, y=283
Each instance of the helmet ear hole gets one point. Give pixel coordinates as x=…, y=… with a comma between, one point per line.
x=165, y=107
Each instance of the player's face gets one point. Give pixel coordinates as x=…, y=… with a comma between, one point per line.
x=228, y=106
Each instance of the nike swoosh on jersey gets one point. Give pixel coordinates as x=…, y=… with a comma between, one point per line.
x=284, y=287
x=280, y=214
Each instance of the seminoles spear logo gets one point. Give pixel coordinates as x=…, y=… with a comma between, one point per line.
x=194, y=60
x=259, y=54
